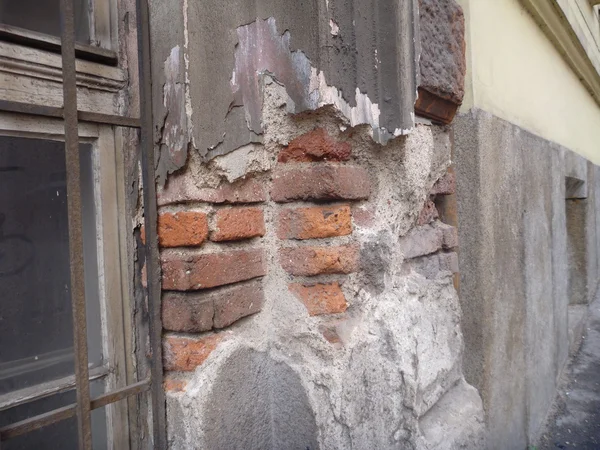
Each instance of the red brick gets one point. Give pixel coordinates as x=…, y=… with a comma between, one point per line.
x=236, y=302
x=185, y=271
x=446, y=185
x=183, y=189
x=315, y=222
x=235, y=224
x=320, y=298
x=172, y=384
x=307, y=261
x=187, y=353
x=428, y=214
x=187, y=312
x=315, y=145
x=321, y=182
x=194, y=312
x=182, y=229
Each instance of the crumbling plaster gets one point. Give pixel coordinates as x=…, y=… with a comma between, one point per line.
x=366, y=66
x=395, y=379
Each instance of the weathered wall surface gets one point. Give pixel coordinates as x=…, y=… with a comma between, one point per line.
x=308, y=295
x=209, y=56
x=519, y=234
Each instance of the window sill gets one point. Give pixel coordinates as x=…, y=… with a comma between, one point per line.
x=52, y=44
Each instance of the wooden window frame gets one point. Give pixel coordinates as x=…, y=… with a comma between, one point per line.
x=114, y=302
x=81, y=109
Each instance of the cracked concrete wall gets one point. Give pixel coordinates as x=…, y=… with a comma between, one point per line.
x=360, y=58
x=514, y=190
x=383, y=372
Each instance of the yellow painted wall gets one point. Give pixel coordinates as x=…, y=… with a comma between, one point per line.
x=515, y=73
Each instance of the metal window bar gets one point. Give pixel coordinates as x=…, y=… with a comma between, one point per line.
x=82, y=409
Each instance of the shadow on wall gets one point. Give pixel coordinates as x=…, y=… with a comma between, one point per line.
x=259, y=403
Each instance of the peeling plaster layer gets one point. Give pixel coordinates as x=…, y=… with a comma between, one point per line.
x=238, y=38
x=174, y=136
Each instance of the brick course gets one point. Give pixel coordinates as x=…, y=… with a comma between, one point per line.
x=182, y=189
x=321, y=182
x=187, y=353
x=308, y=261
x=186, y=271
x=315, y=145
x=315, y=222
x=234, y=224
x=194, y=312
x=182, y=229
x=320, y=298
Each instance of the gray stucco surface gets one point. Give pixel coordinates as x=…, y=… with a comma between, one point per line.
x=514, y=268
x=360, y=57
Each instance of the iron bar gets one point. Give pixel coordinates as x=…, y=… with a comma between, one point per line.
x=120, y=394
x=77, y=280
x=83, y=116
x=66, y=412
x=34, y=423
x=150, y=221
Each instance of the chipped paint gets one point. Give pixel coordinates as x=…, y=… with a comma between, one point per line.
x=262, y=50
x=174, y=133
x=186, y=58
x=334, y=28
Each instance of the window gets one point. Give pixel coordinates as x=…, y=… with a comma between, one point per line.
x=64, y=303
x=36, y=23
x=37, y=371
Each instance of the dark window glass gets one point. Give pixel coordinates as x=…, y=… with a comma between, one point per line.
x=62, y=435
x=43, y=16
x=36, y=329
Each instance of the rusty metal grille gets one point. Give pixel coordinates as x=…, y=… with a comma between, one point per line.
x=71, y=117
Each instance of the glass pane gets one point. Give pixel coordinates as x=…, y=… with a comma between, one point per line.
x=62, y=435
x=43, y=16
x=35, y=304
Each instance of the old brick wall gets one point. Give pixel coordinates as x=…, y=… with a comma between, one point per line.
x=312, y=271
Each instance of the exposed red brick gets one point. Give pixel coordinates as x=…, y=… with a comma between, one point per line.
x=183, y=189
x=194, y=312
x=320, y=298
x=446, y=185
x=428, y=214
x=181, y=229
x=235, y=302
x=307, y=261
x=185, y=271
x=321, y=182
x=171, y=384
x=316, y=145
x=187, y=353
x=188, y=312
x=315, y=222
x=238, y=223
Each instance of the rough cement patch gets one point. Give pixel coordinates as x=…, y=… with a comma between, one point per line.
x=246, y=160
x=456, y=421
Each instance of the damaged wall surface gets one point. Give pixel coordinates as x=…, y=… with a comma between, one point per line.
x=311, y=301
x=308, y=283
x=361, y=58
